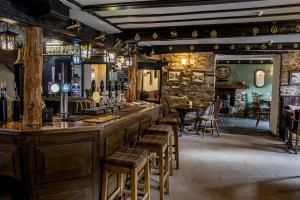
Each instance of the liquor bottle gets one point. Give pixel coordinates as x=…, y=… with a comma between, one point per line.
x=8, y=104
x=101, y=86
x=3, y=105
x=16, y=105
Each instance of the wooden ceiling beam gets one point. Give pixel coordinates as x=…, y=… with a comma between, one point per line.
x=156, y=4
x=212, y=31
x=222, y=48
x=208, y=18
x=202, y=12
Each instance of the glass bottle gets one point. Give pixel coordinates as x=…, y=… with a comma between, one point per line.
x=16, y=105
x=3, y=105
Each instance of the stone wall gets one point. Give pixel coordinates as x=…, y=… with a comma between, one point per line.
x=290, y=61
x=199, y=93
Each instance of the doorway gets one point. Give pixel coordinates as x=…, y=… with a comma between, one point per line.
x=239, y=78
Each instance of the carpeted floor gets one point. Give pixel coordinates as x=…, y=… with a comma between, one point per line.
x=240, y=165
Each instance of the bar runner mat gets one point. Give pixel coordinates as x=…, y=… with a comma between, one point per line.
x=102, y=119
x=75, y=118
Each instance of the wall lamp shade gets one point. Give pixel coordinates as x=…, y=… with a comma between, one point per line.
x=7, y=40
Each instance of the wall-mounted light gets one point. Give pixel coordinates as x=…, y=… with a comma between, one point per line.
x=7, y=39
x=183, y=61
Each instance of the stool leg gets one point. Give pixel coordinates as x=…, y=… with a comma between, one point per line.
x=120, y=184
x=167, y=171
x=170, y=160
x=217, y=127
x=134, y=183
x=176, y=146
x=147, y=179
x=161, y=174
x=104, y=185
x=297, y=141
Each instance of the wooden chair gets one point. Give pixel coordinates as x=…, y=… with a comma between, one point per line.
x=260, y=111
x=294, y=130
x=127, y=161
x=210, y=116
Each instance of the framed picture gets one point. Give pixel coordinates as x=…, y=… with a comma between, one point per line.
x=294, y=77
x=198, y=76
x=174, y=75
x=185, y=76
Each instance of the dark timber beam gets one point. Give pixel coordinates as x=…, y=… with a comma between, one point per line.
x=223, y=31
x=221, y=48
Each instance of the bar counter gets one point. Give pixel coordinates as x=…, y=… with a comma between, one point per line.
x=62, y=160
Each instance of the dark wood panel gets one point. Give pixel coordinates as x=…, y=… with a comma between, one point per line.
x=65, y=161
x=10, y=161
x=113, y=142
x=81, y=194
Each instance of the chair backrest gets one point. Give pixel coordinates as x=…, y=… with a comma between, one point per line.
x=217, y=107
x=165, y=106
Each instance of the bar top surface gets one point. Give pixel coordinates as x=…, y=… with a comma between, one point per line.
x=58, y=125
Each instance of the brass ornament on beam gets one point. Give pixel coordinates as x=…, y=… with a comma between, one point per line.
x=213, y=34
x=137, y=37
x=263, y=46
x=195, y=34
x=255, y=31
x=279, y=46
x=216, y=47
x=297, y=28
x=232, y=47
x=296, y=45
x=248, y=47
x=173, y=34
x=274, y=29
x=154, y=35
x=170, y=48
x=192, y=47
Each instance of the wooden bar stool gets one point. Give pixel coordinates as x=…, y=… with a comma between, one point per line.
x=158, y=144
x=174, y=123
x=167, y=131
x=127, y=161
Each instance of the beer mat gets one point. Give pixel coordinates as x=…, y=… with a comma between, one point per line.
x=75, y=118
x=102, y=119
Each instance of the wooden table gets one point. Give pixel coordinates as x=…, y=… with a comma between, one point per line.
x=183, y=110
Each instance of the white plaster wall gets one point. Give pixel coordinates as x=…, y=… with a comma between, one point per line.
x=9, y=77
x=155, y=81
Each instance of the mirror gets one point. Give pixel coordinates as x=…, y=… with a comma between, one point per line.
x=259, y=78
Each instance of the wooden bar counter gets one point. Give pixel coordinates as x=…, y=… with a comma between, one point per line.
x=62, y=160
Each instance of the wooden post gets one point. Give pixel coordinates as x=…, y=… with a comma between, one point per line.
x=33, y=62
x=132, y=77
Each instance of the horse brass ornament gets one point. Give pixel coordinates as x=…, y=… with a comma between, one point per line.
x=297, y=28
x=194, y=34
x=279, y=46
x=255, y=31
x=213, y=34
x=274, y=29
x=154, y=36
x=263, y=46
x=296, y=45
x=173, y=34
x=216, y=47
x=137, y=37
x=232, y=47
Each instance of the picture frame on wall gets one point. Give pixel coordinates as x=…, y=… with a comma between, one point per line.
x=174, y=75
x=294, y=77
x=198, y=76
x=185, y=76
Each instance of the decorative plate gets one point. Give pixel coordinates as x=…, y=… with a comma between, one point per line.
x=223, y=72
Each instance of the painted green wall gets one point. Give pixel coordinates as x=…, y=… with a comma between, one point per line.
x=245, y=72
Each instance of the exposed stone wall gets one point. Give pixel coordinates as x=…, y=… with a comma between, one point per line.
x=290, y=61
x=197, y=92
